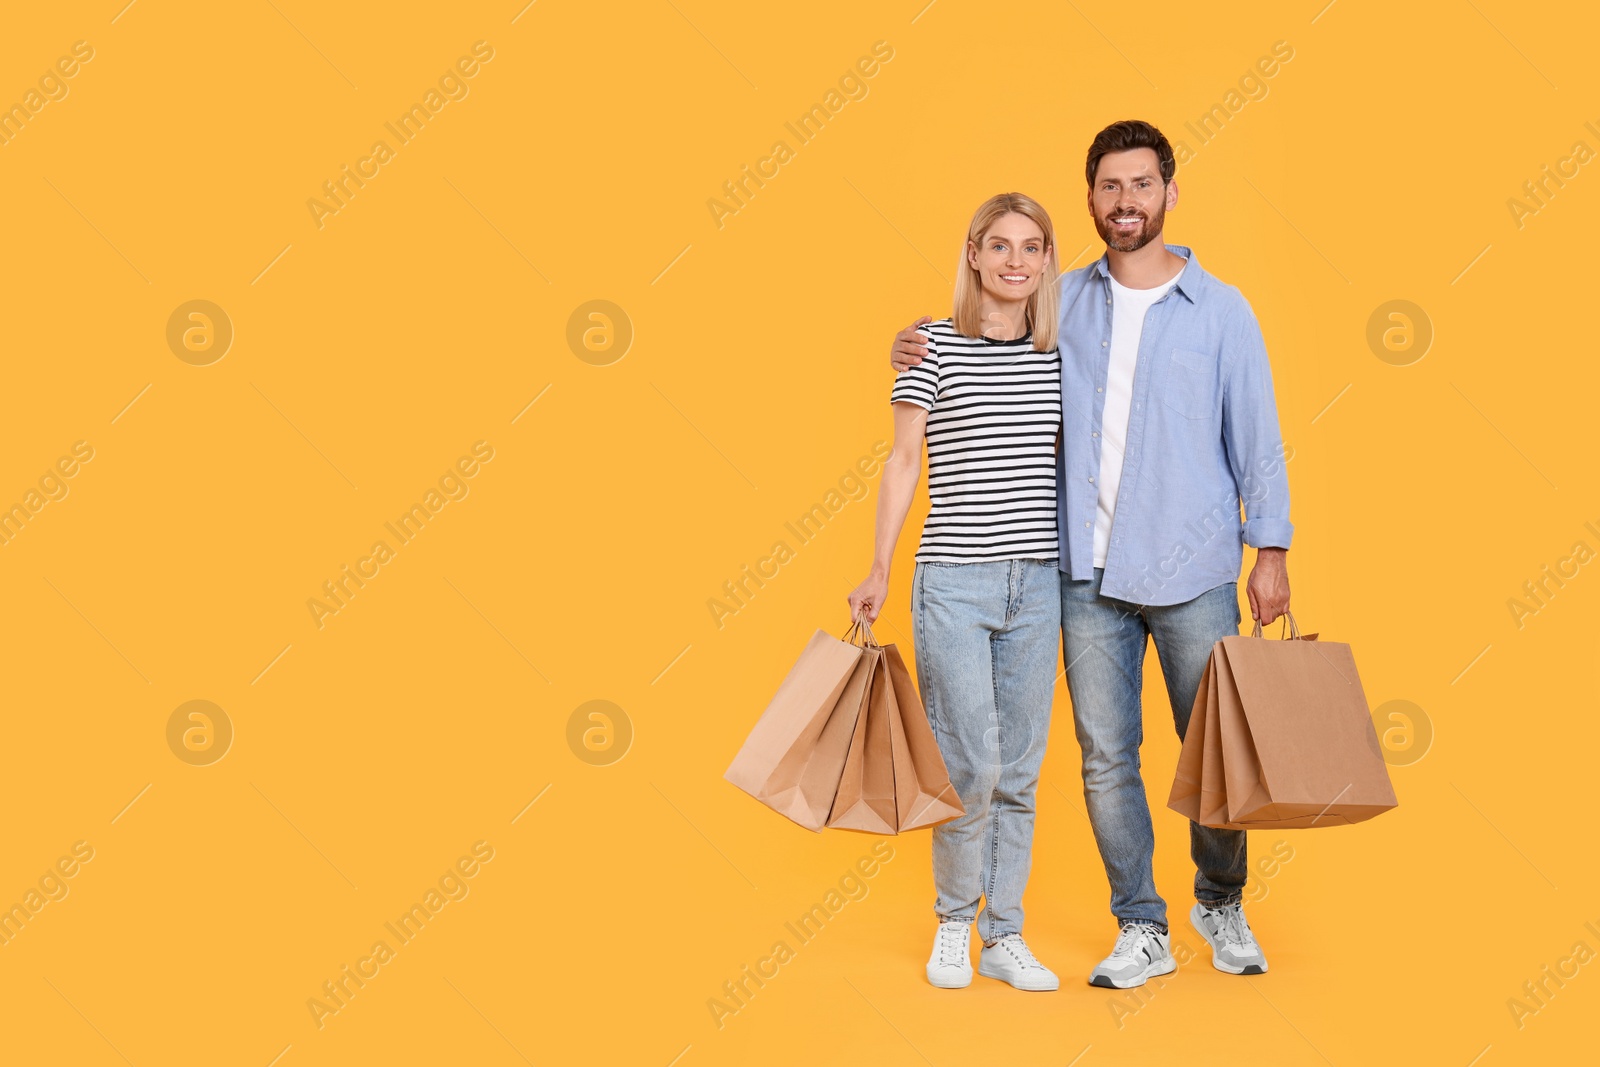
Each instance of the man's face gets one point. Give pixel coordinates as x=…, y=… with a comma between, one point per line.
x=1129, y=201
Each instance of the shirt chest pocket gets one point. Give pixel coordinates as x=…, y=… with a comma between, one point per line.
x=1192, y=388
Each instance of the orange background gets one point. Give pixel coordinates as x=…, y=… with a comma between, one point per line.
x=737, y=376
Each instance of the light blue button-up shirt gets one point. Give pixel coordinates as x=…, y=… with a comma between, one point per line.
x=1202, y=438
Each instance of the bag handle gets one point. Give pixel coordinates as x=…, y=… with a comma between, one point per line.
x=862, y=628
x=1288, y=624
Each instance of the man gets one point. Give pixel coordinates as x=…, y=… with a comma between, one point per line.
x=1169, y=422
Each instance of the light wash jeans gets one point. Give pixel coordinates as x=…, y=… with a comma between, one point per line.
x=1103, y=640
x=985, y=637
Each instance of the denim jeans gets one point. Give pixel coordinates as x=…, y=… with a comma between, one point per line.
x=1103, y=641
x=985, y=637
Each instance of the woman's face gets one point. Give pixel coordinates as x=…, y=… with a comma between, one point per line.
x=1010, y=258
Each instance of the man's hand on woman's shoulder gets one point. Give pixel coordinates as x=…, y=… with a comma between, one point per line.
x=909, y=346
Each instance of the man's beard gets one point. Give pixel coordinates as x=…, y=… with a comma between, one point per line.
x=1132, y=243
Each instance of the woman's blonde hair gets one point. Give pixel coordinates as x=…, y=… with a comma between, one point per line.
x=1043, y=305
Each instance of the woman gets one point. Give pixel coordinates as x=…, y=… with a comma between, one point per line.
x=985, y=593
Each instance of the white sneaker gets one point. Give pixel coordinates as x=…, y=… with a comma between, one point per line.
x=950, y=965
x=1009, y=960
x=1141, y=953
x=1233, y=946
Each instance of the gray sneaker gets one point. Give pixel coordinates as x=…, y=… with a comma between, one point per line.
x=1233, y=946
x=1142, y=952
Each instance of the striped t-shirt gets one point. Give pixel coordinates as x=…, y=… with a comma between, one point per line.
x=994, y=413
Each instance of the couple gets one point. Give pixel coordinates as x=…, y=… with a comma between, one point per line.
x=1090, y=438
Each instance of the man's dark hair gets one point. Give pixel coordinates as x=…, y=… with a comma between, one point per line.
x=1130, y=134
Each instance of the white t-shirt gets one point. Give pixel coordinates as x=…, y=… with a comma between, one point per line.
x=1128, y=307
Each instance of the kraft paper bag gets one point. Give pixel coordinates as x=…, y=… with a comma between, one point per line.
x=923, y=793
x=1213, y=776
x=795, y=754
x=1185, y=796
x=846, y=743
x=866, y=790
x=1199, y=788
x=1295, y=741
x=1239, y=770
x=895, y=779
x=1311, y=734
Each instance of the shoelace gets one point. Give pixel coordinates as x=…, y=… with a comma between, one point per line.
x=952, y=945
x=1020, y=952
x=1233, y=928
x=1132, y=939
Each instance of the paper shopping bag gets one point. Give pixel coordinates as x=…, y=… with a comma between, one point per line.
x=1237, y=766
x=1305, y=724
x=1294, y=736
x=866, y=795
x=894, y=779
x=1213, y=776
x=1199, y=788
x=923, y=793
x=795, y=754
x=1185, y=796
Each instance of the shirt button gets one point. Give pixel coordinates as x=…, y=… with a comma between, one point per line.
x=1086, y=524
x=1095, y=434
x=1098, y=389
x=1103, y=344
x=1091, y=481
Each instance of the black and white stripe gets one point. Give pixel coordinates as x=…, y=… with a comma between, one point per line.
x=994, y=413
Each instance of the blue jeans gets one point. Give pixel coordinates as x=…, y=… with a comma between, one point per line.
x=1103, y=640
x=985, y=636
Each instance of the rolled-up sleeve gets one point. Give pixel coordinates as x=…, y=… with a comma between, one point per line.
x=1250, y=432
